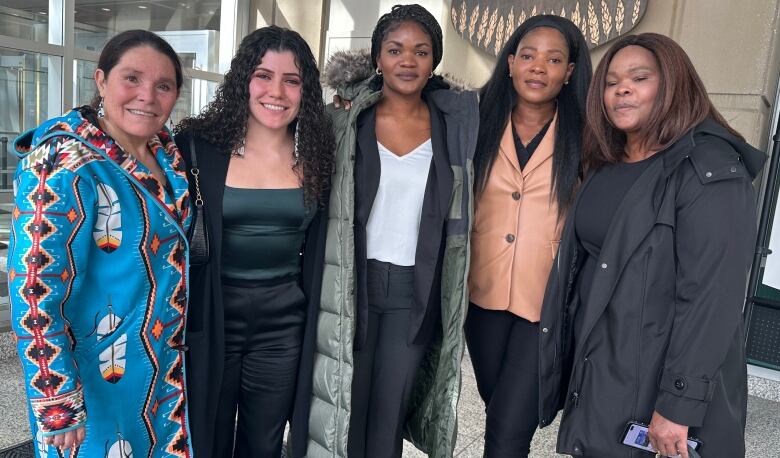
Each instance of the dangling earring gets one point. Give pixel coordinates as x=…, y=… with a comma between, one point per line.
x=238, y=152
x=296, y=152
x=101, y=112
x=378, y=71
x=430, y=76
x=566, y=82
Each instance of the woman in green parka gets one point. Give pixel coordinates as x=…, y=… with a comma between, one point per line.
x=390, y=329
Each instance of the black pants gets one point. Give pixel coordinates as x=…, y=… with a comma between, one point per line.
x=264, y=323
x=504, y=351
x=386, y=366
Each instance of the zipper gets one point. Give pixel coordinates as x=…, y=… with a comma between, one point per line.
x=576, y=393
x=638, y=355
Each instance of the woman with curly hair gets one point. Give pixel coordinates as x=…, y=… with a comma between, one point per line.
x=265, y=148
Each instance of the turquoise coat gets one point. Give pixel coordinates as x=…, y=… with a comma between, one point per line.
x=98, y=283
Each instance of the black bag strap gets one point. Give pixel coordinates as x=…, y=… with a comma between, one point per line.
x=195, y=171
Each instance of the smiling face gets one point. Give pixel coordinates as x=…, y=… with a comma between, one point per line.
x=540, y=66
x=406, y=59
x=275, y=91
x=138, y=93
x=631, y=89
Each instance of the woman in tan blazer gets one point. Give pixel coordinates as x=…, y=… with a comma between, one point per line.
x=527, y=168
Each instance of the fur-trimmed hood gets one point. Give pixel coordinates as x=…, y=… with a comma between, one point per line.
x=349, y=67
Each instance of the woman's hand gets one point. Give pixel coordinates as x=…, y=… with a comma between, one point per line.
x=338, y=102
x=67, y=440
x=669, y=438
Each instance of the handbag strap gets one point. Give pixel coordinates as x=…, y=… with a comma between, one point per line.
x=195, y=172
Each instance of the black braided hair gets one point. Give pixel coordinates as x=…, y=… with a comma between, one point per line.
x=223, y=121
x=389, y=22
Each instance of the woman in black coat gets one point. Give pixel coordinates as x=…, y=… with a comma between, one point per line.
x=642, y=316
x=264, y=148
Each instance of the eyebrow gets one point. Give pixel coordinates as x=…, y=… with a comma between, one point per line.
x=398, y=43
x=635, y=69
x=135, y=70
x=260, y=67
x=531, y=48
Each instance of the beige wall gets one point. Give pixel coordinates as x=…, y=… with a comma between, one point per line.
x=734, y=45
x=304, y=16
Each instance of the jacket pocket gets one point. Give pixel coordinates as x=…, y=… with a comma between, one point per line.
x=639, y=336
x=108, y=333
x=456, y=203
x=579, y=377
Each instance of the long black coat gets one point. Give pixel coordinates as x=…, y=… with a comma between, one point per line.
x=205, y=314
x=662, y=329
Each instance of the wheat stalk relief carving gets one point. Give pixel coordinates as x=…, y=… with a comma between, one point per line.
x=490, y=23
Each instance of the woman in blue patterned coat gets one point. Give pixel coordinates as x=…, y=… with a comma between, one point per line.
x=98, y=264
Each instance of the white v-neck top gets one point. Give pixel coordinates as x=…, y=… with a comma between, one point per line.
x=394, y=221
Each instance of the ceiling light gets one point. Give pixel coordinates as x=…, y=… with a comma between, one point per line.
x=143, y=7
x=106, y=9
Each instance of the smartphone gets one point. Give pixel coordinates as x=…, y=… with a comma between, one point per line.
x=636, y=436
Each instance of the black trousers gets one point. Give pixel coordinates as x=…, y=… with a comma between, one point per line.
x=264, y=323
x=504, y=351
x=386, y=367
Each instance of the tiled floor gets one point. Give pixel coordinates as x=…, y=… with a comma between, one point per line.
x=763, y=429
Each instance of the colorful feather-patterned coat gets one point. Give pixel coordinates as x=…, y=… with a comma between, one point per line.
x=98, y=284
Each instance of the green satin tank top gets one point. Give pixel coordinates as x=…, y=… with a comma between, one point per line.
x=263, y=232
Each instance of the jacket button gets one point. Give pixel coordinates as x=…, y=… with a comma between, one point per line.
x=545, y=330
x=510, y=238
x=708, y=174
x=516, y=195
x=604, y=265
x=733, y=169
x=679, y=384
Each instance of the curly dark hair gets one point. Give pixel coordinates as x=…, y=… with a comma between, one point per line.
x=223, y=122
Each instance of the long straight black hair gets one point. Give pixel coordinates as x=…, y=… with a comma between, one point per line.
x=498, y=97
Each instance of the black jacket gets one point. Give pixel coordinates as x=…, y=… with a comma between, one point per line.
x=662, y=329
x=205, y=315
x=428, y=256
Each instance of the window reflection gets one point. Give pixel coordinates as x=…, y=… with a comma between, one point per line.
x=190, y=26
x=29, y=94
x=25, y=19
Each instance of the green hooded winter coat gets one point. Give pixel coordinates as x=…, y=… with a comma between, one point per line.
x=432, y=418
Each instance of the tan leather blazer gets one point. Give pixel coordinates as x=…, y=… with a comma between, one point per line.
x=516, y=231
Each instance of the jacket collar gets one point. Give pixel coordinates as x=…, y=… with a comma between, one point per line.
x=686, y=147
x=77, y=124
x=543, y=152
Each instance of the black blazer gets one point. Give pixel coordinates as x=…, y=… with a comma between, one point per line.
x=205, y=314
x=428, y=257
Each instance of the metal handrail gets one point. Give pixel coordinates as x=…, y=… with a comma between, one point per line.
x=762, y=240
